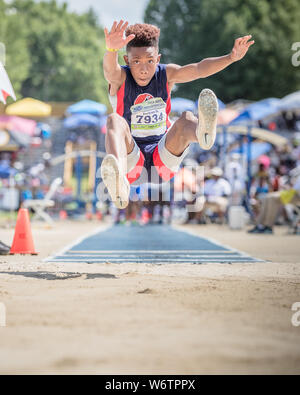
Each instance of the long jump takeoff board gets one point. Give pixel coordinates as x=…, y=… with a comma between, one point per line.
x=157, y=244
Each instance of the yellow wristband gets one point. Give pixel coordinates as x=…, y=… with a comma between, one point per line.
x=111, y=49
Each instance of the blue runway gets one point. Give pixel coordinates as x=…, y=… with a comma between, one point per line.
x=157, y=244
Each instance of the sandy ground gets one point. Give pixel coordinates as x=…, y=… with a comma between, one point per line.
x=151, y=319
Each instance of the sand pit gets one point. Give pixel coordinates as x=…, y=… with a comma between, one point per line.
x=151, y=319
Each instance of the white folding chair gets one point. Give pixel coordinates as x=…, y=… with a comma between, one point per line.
x=39, y=206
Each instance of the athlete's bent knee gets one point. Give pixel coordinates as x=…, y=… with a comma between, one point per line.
x=187, y=116
x=116, y=124
x=184, y=123
x=114, y=118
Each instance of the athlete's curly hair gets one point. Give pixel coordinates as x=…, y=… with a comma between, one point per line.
x=145, y=35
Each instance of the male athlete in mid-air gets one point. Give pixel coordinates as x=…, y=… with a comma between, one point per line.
x=140, y=136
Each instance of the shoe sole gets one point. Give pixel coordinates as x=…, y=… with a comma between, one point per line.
x=207, y=118
x=110, y=174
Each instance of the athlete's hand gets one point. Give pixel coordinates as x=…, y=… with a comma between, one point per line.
x=115, y=38
x=240, y=48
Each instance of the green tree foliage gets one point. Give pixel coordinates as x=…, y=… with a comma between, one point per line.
x=195, y=29
x=13, y=36
x=65, y=52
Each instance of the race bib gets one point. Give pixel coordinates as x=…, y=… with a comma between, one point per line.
x=149, y=118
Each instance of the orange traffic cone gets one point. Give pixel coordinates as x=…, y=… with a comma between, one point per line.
x=89, y=216
x=63, y=214
x=23, y=241
x=99, y=215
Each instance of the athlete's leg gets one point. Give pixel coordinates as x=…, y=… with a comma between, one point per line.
x=118, y=143
x=173, y=147
x=182, y=133
x=188, y=128
x=118, y=140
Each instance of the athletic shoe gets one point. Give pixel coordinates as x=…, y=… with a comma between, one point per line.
x=260, y=229
x=207, y=119
x=116, y=183
x=256, y=229
x=267, y=230
x=4, y=249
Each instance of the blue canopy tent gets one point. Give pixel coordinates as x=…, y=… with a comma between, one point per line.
x=290, y=102
x=257, y=111
x=257, y=149
x=179, y=105
x=103, y=121
x=78, y=120
x=87, y=107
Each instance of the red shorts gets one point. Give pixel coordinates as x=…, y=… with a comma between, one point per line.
x=150, y=161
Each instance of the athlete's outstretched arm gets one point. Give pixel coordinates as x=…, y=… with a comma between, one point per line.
x=208, y=66
x=114, y=41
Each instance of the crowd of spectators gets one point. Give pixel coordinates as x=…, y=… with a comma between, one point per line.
x=204, y=189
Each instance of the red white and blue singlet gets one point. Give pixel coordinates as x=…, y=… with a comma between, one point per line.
x=146, y=110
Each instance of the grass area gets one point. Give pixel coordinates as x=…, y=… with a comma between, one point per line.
x=8, y=215
x=8, y=218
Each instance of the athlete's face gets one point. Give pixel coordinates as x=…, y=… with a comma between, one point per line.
x=142, y=62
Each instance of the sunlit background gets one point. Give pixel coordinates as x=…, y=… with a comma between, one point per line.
x=53, y=138
x=108, y=11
